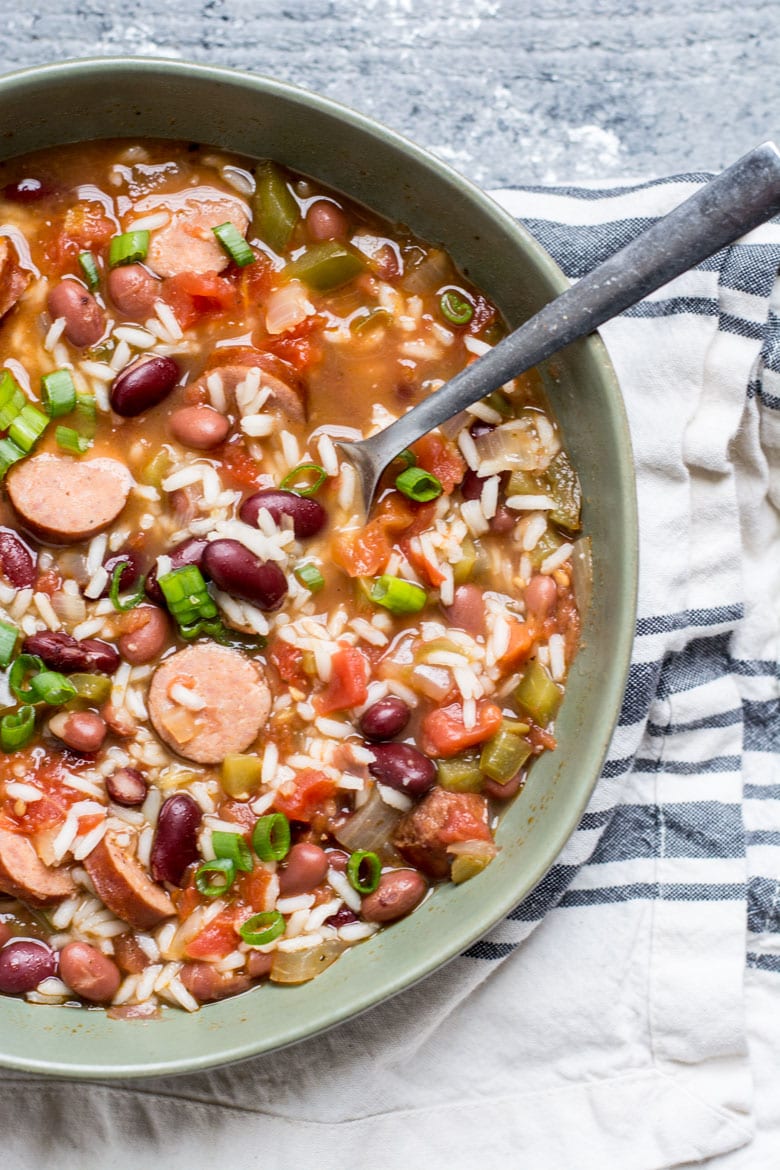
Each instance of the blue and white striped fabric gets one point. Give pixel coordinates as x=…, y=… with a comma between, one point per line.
x=627, y=1014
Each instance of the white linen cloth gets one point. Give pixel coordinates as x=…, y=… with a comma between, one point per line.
x=627, y=1015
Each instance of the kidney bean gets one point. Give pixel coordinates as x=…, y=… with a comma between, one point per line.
x=84, y=321
x=127, y=787
x=467, y=611
x=307, y=515
x=143, y=384
x=259, y=963
x=305, y=867
x=130, y=955
x=83, y=731
x=397, y=894
x=175, y=844
x=506, y=791
x=384, y=719
x=62, y=651
x=145, y=643
x=503, y=521
x=89, y=972
x=471, y=486
x=402, y=767
x=129, y=575
x=199, y=427
x=326, y=221
x=188, y=552
x=342, y=917
x=237, y=571
x=17, y=561
x=133, y=290
x=27, y=190
x=23, y=964
x=540, y=596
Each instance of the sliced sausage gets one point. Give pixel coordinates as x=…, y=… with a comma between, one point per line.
x=23, y=874
x=207, y=984
x=133, y=290
x=13, y=279
x=64, y=501
x=84, y=321
x=235, y=697
x=187, y=243
x=439, y=820
x=124, y=885
x=282, y=399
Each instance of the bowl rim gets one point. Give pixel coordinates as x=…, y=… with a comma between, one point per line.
x=413, y=972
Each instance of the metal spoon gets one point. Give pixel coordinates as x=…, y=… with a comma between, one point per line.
x=739, y=199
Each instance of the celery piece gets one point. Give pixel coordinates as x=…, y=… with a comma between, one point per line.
x=503, y=756
x=275, y=211
x=548, y=542
x=463, y=569
x=537, y=695
x=325, y=266
x=468, y=865
x=156, y=469
x=524, y=483
x=95, y=688
x=564, y=488
x=240, y=775
x=460, y=773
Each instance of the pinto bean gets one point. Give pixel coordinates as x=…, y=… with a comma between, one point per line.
x=17, y=561
x=143, y=385
x=207, y=984
x=259, y=964
x=175, y=844
x=133, y=290
x=326, y=221
x=467, y=611
x=397, y=894
x=199, y=427
x=119, y=720
x=305, y=868
x=498, y=791
x=240, y=573
x=83, y=731
x=89, y=972
x=84, y=320
x=24, y=964
x=63, y=652
x=540, y=596
x=127, y=787
x=145, y=642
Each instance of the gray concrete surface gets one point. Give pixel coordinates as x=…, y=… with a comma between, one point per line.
x=508, y=91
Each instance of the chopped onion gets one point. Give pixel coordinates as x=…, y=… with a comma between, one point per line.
x=301, y=966
x=69, y=607
x=515, y=445
x=453, y=426
x=370, y=828
x=470, y=858
x=435, y=682
x=286, y=307
x=582, y=573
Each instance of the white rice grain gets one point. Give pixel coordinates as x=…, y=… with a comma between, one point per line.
x=468, y=449
x=167, y=318
x=393, y=798
x=340, y=883
x=490, y=496
x=556, y=559
x=56, y=329
x=216, y=390
x=291, y=905
x=258, y=426
x=557, y=657
x=530, y=503
x=149, y=223
x=135, y=336
x=535, y=529
x=328, y=456
x=471, y=511
x=120, y=357
x=19, y=607
x=356, y=931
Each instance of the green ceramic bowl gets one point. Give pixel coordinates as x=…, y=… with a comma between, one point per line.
x=253, y=115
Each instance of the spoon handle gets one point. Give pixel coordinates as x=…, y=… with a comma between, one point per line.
x=739, y=199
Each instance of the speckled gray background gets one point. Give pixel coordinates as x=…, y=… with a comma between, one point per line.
x=508, y=91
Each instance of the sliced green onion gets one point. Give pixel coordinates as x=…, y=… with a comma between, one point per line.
x=59, y=393
x=234, y=848
x=398, y=596
x=206, y=628
x=407, y=457
x=86, y=411
x=24, y=665
x=271, y=837
x=27, y=427
x=364, y=871
x=71, y=441
x=419, y=485
x=455, y=308
x=90, y=269
x=11, y=400
x=51, y=687
x=234, y=244
x=186, y=595
x=113, y=593
x=8, y=636
x=305, y=480
x=128, y=248
x=9, y=454
x=261, y=929
x=310, y=576
x=215, y=877
x=16, y=730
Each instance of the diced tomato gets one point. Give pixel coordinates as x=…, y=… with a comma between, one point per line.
x=48, y=582
x=522, y=639
x=84, y=227
x=193, y=295
x=254, y=281
x=217, y=939
x=465, y=821
x=312, y=790
x=238, y=466
x=90, y=822
x=441, y=458
x=348, y=683
x=445, y=734
x=365, y=553
x=421, y=565
x=298, y=347
x=288, y=660
x=252, y=888
x=542, y=740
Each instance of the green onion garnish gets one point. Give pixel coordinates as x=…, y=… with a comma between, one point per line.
x=234, y=244
x=186, y=595
x=9, y=454
x=11, y=400
x=271, y=837
x=455, y=308
x=215, y=877
x=398, y=596
x=24, y=665
x=8, y=636
x=305, y=480
x=407, y=457
x=233, y=848
x=116, y=578
x=261, y=929
x=86, y=411
x=419, y=485
x=59, y=393
x=51, y=687
x=71, y=441
x=364, y=871
x=90, y=269
x=17, y=729
x=128, y=248
x=27, y=427
x=310, y=576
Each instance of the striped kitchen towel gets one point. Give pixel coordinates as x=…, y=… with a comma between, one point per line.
x=626, y=1016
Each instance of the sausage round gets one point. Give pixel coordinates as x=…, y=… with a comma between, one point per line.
x=23, y=874
x=188, y=243
x=13, y=280
x=63, y=501
x=124, y=885
x=283, y=398
x=236, y=702
x=84, y=322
